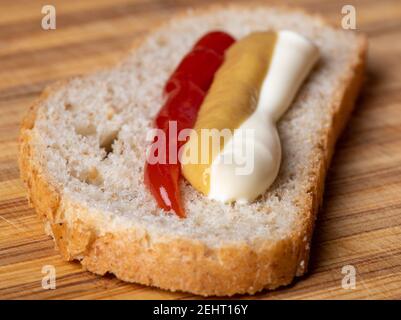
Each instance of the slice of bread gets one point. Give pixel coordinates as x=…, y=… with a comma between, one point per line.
x=82, y=155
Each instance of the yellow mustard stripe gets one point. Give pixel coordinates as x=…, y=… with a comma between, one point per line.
x=231, y=99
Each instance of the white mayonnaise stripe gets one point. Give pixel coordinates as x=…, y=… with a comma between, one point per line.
x=293, y=59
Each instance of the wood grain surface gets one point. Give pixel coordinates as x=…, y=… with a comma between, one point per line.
x=359, y=224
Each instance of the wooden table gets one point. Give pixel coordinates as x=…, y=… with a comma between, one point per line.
x=359, y=225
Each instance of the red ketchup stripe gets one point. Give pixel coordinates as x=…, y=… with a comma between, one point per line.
x=185, y=91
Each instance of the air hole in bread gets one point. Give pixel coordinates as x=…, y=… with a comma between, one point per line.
x=68, y=107
x=107, y=140
x=90, y=176
x=111, y=111
x=278, y=196
x=110, y=92
x=85, y=130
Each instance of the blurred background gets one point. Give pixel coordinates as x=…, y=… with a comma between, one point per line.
x=360, y=222
x=90, y=33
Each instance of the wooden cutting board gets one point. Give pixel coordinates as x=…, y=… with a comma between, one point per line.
x=359, y=224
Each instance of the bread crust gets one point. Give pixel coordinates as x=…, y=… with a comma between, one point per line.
x=185, y=264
